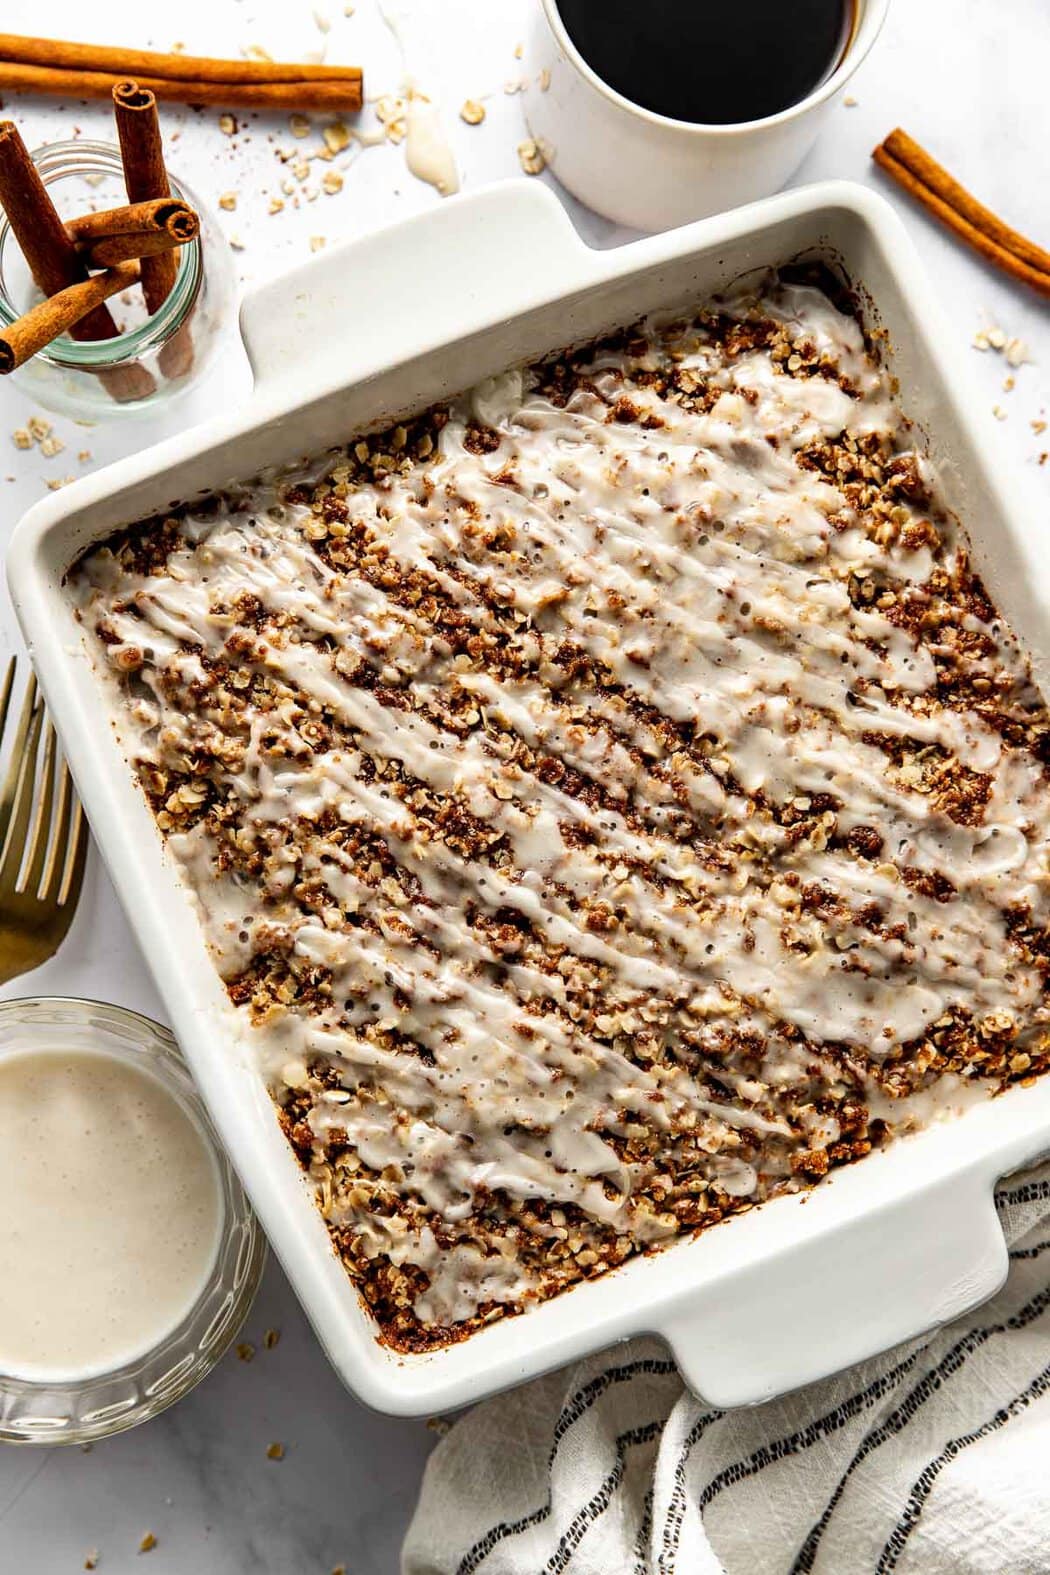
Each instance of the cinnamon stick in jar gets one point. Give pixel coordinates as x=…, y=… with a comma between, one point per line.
x=145, y=176
x=60, y=314
x=51, y=255
x=141, y=229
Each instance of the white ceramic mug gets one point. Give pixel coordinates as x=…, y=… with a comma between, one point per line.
x=650, y=171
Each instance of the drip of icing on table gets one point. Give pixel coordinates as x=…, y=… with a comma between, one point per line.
x=111, y=1213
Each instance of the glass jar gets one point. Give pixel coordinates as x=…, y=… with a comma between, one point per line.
x=153, y=359
x=81, y=1409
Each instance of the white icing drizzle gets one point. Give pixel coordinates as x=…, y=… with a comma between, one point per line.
x=700, y=574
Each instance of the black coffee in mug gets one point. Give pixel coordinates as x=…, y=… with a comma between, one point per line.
x=712, y=62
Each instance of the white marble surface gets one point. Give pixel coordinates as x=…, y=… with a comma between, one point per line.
x=968, y=78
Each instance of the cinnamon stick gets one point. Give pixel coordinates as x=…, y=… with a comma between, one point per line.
x=926, y=169
x=142, y=245
x=51, y=255
x=74, y=70
x=167, y=215
x=145, y=176
x=943, y=197
x=60, y=314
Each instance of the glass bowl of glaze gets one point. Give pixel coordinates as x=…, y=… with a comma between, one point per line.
x=152, y=360
x=93, y=1342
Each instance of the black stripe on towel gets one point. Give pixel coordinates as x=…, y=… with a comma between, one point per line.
x=580, y=1403
x=950, y=1364
x=599, y=1502
x=1030, y=1192
x=924, y=1484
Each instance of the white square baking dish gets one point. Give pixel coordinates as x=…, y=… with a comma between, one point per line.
x=772, y=1299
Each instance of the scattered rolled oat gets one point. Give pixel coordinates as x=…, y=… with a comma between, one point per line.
x=21, y=439
x=227, y=125
x=91, y=1561
x=50, y=446
x=331, y=182
x=318, y=243
x=301, y=169
x=472, y=112
x=996, y=338
x=148, y=1543
x=299, y=125
x=228, y=200
x=271, y=1338
x=980, y=340
x=236, y=244
x=1016, y=352
x=530, y=157
x=276, y=205
x=275, y=1452
x=245, y=1351
x=998, y=412
x=38, y=428
x=1038, y=427
x=1009, y=384
x=849, y=101
x=55, y=482
x=336, y=137
x=84, y=455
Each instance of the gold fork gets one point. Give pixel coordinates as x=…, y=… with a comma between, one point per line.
x=43, y=843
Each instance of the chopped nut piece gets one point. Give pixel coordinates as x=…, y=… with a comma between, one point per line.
x=271, y=1338
x=245, y=1351
x=21, y=439
x=276, y=205
x=228, y=200
x=227, y=125
x=38, y=428
x=331, y=182
x=472, y=112
x=91, y=1560
x=50, y=446
x=1016, y=352
x=318, y=243
x=1038, y=427
x=148, y=1543
x=236, y=244
x=299, y=125
x=530, y=157
x=998, y=412
x=275, y=1452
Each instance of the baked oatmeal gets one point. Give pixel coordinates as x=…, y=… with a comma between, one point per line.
x=611, y=799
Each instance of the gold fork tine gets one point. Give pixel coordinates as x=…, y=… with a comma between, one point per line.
x=5, y=693
x=57, y=857
x=74, y=876
x=22, y=806
x=10, y=785
x=38, y=836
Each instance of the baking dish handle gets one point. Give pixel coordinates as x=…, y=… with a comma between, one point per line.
x=370, y=303
x=791, y=1319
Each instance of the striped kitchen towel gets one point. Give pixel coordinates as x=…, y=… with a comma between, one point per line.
x=932, y=1459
